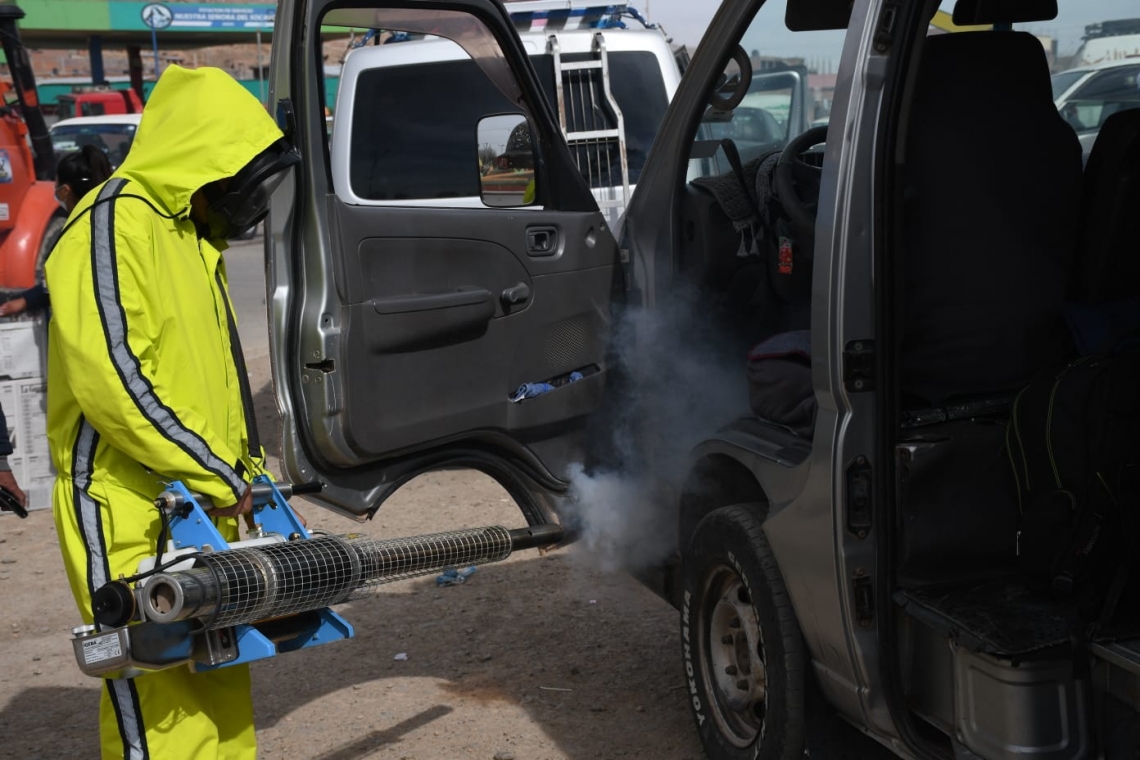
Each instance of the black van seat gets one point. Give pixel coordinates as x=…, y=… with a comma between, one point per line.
x=1110, y=218
x=991, y=200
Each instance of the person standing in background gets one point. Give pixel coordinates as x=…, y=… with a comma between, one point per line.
x=77, y=174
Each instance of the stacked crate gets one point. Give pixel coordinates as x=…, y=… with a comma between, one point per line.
x=23, y=351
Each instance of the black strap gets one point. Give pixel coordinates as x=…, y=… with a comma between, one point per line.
x=733, y=156
x=242, y=372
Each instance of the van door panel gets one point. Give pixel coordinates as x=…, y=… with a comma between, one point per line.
x=419, y=317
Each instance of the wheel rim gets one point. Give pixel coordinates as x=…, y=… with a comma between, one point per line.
x=735, y=674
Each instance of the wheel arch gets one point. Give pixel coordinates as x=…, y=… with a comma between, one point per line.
x=716, y=480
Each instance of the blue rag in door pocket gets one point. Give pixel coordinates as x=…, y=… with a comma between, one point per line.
x=531, y=390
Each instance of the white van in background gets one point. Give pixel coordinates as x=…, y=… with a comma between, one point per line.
x=608, y=83
x=1109, y=41
x=1087, y=95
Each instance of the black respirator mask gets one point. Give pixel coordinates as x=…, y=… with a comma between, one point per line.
x=244, y=201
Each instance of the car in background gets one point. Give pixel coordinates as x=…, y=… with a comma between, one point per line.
x=1087, y=95
x=608, y=84
x=113, y=134
x=864, y=566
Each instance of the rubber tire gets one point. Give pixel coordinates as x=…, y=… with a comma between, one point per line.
x=728, y=541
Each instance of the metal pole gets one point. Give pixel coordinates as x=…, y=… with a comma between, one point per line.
x=260, y=82
x=95, y=55
x=154, y=42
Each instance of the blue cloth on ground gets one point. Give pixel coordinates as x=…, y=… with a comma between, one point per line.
x=453, y=577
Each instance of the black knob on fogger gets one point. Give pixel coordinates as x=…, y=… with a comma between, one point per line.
x=114, y=605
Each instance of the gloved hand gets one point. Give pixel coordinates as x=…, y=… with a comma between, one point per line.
x=244, y=507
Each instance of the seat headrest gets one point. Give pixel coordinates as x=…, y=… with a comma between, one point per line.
x=974, y=12
x=1010, y=62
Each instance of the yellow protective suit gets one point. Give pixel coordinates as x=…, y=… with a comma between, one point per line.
x=145, y=383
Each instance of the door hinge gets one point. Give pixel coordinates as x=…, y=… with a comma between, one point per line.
x=885, y=31
x=859, y=366
x=859, y=492
x=864, y=600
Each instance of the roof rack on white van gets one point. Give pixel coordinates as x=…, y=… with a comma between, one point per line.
x=569, y=15
x=545, y=6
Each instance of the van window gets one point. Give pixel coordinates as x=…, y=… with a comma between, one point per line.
x=434, y=156
x=786, y=87
x=1064, y=81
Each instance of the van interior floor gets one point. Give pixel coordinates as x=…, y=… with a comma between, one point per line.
x=1004, y=618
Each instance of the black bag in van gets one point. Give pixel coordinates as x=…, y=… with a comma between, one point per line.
x=1074, y=444
x=779, y=382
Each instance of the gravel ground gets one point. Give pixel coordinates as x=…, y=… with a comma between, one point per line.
x=537, y=658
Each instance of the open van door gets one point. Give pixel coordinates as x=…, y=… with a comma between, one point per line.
x=406, y=334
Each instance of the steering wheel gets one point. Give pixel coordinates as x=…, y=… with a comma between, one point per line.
x=792, y=172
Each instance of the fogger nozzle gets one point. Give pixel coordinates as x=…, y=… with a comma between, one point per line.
x=247, y=585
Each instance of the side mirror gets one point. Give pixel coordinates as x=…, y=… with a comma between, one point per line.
x=506, y=161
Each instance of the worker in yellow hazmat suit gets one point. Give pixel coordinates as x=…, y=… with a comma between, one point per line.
x=147, y=385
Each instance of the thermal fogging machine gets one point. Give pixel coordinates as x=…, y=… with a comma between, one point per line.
x=210, y=604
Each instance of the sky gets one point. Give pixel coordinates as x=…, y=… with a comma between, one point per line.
x=685, y=21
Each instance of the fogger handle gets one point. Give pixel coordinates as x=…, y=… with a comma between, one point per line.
x=262, y=492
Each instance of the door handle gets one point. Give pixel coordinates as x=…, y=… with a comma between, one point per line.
x=542, y=241
x=515, y=294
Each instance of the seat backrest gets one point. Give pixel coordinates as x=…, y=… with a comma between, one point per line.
x=1110, y=214
x=991, y=206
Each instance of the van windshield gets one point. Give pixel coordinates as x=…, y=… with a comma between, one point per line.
x=113, y=139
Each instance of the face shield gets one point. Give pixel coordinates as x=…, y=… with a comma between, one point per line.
x=235, y=206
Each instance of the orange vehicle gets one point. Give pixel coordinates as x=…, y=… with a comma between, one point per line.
x=30, y=217
x=97, y=101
